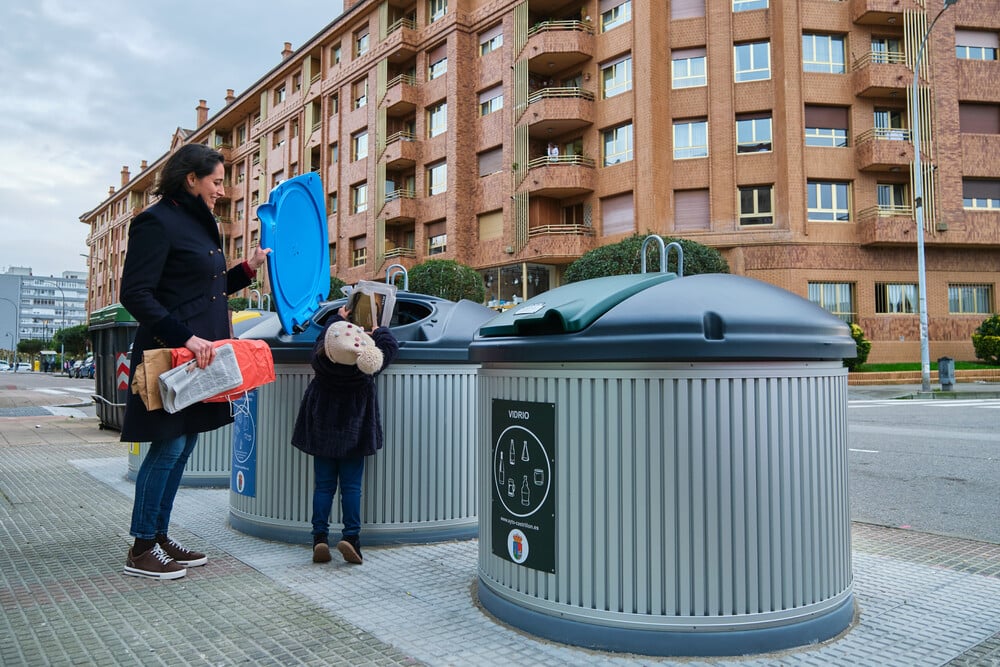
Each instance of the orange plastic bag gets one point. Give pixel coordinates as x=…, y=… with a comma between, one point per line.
x=254, y=358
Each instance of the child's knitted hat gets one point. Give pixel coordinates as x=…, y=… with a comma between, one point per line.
x=348, y=344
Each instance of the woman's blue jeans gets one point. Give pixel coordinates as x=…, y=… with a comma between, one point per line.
x=156, y=485
x=349, y=473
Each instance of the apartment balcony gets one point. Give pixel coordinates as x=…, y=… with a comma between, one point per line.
x=886, y=225
x=555, y=46
x=399, y=253
x=561, y=176
x=401, y=96
x=400, y=207
x=402, y=41
x=883, y=149
x=555, y=111
x=226, y=149
x=401, y=151
x=882, y=12
x=560, y=230
x=882, y=74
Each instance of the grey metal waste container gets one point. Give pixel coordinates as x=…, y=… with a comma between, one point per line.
x=664, y=466
x=210, y=464
x=112, y=330
x=421, y=487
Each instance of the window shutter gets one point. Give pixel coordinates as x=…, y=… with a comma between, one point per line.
x=487, y=35
x=826, y=117
x=491, y=161
x=684, y=54
x=687, y=9
x=436, y=228
x=979, y=118
x=491, y=226
x=989, y=40
x=437, y=53
x=618, y=214
x=691, y=210
x=980, y=189
x=487, y=95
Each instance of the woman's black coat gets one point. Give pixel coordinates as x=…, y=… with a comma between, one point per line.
x=175, y=284
x=339, y=415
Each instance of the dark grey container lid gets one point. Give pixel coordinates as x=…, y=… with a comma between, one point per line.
x=709, y=317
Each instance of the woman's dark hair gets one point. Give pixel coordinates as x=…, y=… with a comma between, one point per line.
x=198, y=158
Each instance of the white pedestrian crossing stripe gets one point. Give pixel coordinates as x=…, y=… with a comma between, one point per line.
x=982, y=403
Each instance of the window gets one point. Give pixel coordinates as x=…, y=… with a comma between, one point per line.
x=278, y=138
x=889, y=124
x=359, y=250
x=616, y=77
x=893, y=198
x=241, y=172
x=826, y=126
x=976, y=44
x=491, y=100
x=618, y=214
x=691, y=209
x=970, y=299
x=437, y=62
x=437, y=237
x=297, y=81
x=359, y=198
x=277, y=178
x=747, y=5
x=616, y=16
x=753, y=61
x=886, y=50
x=753, y=133
x=618, y=144
x=490, y=162
x=756, y=205
x=828, y=201
x=981, y=194
x=359, y=145
x=491, y=40
x=838, y=298
x=334, y=153
x=979, y=118
x=334, y=104
x=335, y=54
x=436, y=9
x=437, y=119
x=895, y=298
x=279, y=94
x=331, y=203
x=688, y=67
x=823, y=53
x=490, y=225
x=361, y=42
x=238, y=247
x=437, y=178
x=240, y=209
x=686, y=9
x=360, y=93
x=690, y=139
x=241, y=135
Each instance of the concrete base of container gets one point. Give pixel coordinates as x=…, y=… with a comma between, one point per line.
x=698, y=641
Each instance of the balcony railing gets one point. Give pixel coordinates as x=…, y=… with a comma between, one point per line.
x=582, y=26
x=401, y=193
x=879, y=58
x=400, y=252
x=408, y=79
x=572, y=230
x=402, y=135
x=561, y=160
x=885, y=211
x=401, y=23
x=560, y=93
x=884, y=134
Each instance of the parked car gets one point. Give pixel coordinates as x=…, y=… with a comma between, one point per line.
x=4, y=366
x=23, y=367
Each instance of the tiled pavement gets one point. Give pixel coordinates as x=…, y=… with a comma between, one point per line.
x=64, y=510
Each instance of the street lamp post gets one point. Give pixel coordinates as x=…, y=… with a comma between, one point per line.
x=918, y=206
x=62, y=342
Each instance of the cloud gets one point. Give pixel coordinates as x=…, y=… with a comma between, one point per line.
x=94, y=86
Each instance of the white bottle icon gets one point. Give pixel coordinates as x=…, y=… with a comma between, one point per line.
x=525, y=493
x=524, y=452
x=501, y=472
x=512, y=451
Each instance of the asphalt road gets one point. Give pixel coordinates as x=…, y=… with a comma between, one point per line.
x=928, y=465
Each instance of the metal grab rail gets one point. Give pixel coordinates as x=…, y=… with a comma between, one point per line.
x=663, y=254
x=390, y=275
x=544, y=160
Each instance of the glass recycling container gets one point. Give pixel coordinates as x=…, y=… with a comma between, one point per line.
x=663, y=465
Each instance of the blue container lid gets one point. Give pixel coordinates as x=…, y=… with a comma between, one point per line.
x=708, y=317
x=293, y=226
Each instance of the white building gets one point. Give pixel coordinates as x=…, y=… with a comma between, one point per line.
x=38, y=306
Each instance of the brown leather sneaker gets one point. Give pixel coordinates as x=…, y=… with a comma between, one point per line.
x=350, y=549
x=321, y=552
x=184, y=556
x=154, y=564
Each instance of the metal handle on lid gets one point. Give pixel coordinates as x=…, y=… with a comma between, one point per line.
x=663, y=254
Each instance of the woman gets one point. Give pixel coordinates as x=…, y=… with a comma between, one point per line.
x=175, y=284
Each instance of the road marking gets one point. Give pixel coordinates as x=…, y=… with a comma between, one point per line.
x=863, y=451
x=980, y=403
x=79, y=390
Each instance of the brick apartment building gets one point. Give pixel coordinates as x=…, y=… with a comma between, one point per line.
x=514, y=136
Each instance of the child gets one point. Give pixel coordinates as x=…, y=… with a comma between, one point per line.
x=339, y=424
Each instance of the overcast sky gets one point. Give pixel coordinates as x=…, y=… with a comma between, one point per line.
x=92, y=86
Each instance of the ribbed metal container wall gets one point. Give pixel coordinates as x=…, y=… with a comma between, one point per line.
x=420, y=487
x=690, y=496
x=210, y=464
